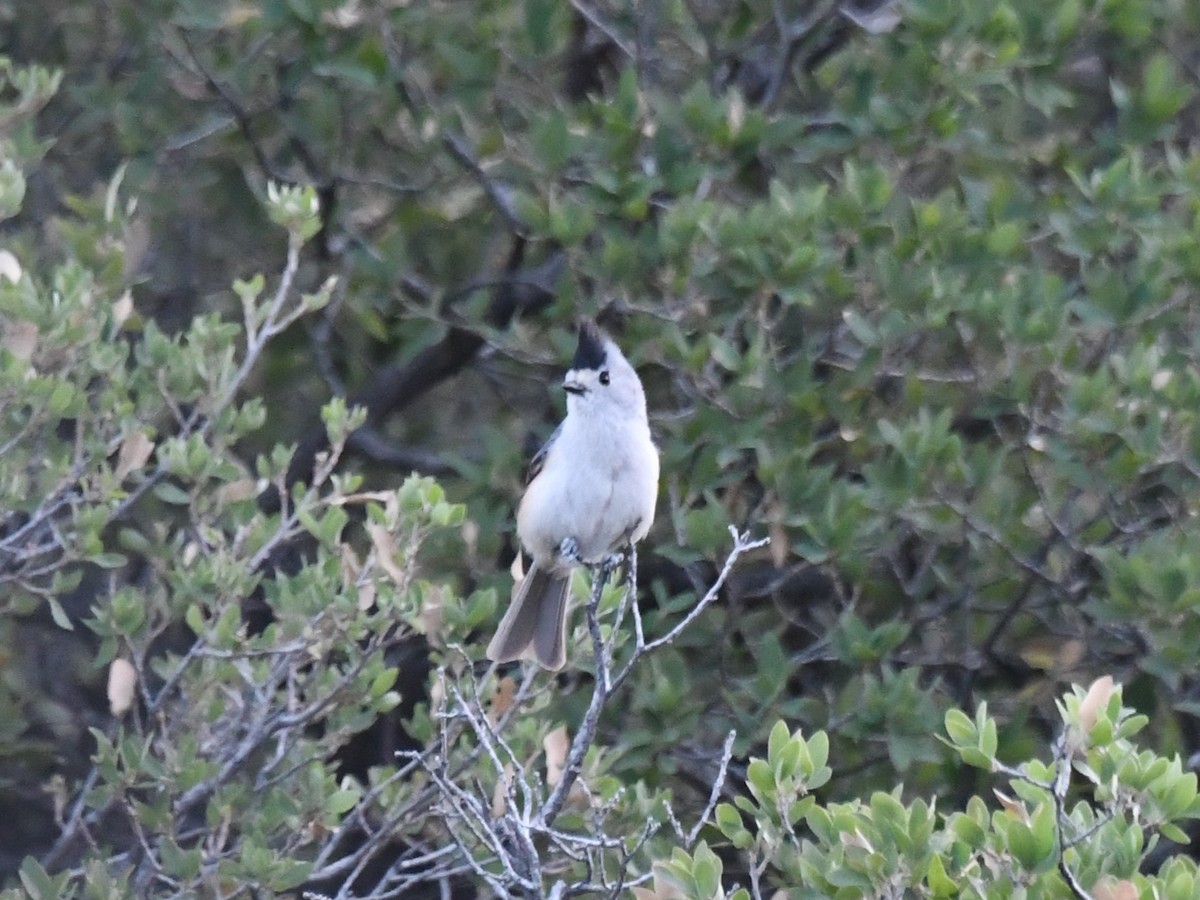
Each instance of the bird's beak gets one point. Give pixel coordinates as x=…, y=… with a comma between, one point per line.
x=571, y=386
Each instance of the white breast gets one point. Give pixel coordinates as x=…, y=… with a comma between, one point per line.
x=599, y=485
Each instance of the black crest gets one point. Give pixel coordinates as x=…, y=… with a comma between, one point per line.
x=591, y=353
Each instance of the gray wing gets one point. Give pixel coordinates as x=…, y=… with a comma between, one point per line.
x=539, y=458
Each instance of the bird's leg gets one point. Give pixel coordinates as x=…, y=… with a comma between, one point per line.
x=569, y=550
x=614, y=559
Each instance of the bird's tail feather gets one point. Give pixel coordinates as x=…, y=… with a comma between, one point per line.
x=535, y=625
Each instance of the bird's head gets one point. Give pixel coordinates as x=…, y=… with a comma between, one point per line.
x=601, y=380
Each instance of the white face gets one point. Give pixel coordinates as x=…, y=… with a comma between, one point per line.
x=608, y=387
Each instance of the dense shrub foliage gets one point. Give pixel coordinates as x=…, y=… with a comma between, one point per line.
x=913, y=290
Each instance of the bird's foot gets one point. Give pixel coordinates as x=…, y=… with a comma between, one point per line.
x=569, y=550
x=610, y=562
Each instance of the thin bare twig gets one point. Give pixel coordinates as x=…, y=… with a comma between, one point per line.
x=742, y=544
x=601, y=24
x=1062, y=781
x=500, y=194
x=715, y=794
x=521, y=838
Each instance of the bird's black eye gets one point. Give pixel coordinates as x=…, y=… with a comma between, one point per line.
x=604, y=379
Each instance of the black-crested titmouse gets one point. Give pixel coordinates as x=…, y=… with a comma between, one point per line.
x=592, y=488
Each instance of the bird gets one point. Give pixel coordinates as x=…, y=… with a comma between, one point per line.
x=592, y=488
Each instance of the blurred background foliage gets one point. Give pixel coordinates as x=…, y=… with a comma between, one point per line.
x=912, y=287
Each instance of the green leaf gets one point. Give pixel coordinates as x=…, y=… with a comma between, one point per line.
x=861, y=328
x=969, y=831
x=706, y=872
x=61, y=398
x=289, y=874
x=799, y=809
x=342, y=801
x=108, y=560
x=382, y=683
x=762, y=778
x=724, y=353
x=729, y=820
x=778, y=739
x=169, y=493
x=194, y=619
x=1180, y=795
x=183, y=864
x=1022, y=845
x=974, y=757
x=940, y=884
x=539, y=15
x=37, y=881
x=747, y=805
x=1182, y=886
x=1164, y=92
x=961, y=728
x=1044, y=831
x=988, y=739
x=552, y=139
x=58, y=614
x=818, y=751
x=821, y=824
x=1004, y=239
x=1173, y=832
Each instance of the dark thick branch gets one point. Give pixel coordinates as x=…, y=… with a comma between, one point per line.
x=377, y=448
x=396, y=386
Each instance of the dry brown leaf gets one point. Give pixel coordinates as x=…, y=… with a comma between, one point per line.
x=503, y=699
x=1052, y=654
x=1013, y=807
x=1070, y=654
x=1108, y=888
x=134, y=453
x=470, y=538
x=433, y=616
x=350, y=565
x=363, y=497
x=499, y=795
x=10, y=267
x=456, y=203
x=187, y=86
x=20, y=339
x=57, y=789
x=239, y=15
x=237, y=491
x=856, y=839
x=663, y=888
x=1040, y=652
x=1095, y=700
x=557, y=745
x=348, y=15
x=437, y=693
x=366, y=596
x=735, y=113
x=385, y=549
x=879, y=21
x=138, y=239
x=779, y=546
x=122, y=678
x=122, y=309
